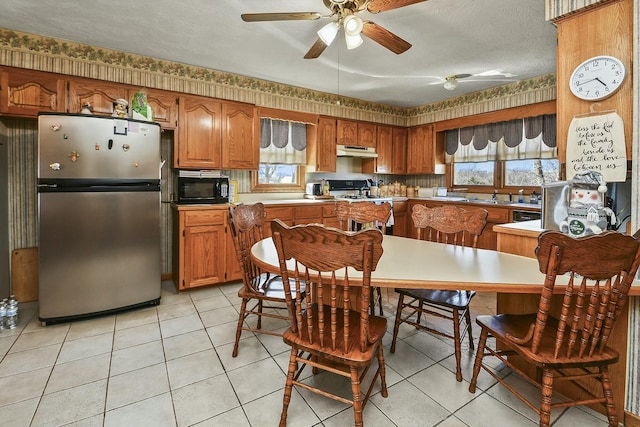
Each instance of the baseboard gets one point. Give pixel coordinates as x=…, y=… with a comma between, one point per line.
x=631, y=420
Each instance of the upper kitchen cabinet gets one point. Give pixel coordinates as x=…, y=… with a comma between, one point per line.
x=164, y=106
x=399, y=136
x=199, y=141
x=240, y=136
x=347, y=132
x=98, y=94
x=367, y=134
x=420, y=149
x=321, y=146
x=351, y=132
x=25, y=93
x=384, y=148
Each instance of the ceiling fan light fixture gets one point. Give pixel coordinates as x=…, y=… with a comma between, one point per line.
x=328, y=33
x=353, y=41
x=450, y=83
x=352, y=25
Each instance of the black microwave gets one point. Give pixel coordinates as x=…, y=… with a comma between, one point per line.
x=202, y=190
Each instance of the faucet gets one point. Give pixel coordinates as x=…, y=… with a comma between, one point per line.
x=510, y=197
x=495, y=195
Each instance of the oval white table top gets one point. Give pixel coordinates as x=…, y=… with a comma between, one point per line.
x=413, y=263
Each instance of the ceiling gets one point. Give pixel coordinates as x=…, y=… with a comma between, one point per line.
x=448, y=37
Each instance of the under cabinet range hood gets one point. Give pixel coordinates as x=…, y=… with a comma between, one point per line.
x=355, y=151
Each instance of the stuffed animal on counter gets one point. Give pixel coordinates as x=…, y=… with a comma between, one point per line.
x=587, y=214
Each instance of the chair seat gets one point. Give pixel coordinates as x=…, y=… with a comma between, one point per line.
x=271, y=287
x=518, y=325
x=452, y=299
x=377, y=328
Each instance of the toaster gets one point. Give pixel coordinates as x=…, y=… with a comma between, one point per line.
x=314, y=189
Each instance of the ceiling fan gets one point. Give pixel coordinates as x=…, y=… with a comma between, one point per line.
x=451, y=81
x=344, y=15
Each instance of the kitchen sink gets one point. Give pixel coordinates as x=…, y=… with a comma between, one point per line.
x=492, y=202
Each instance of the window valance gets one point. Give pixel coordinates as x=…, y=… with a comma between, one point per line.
x=282, y=142
x=529, y=138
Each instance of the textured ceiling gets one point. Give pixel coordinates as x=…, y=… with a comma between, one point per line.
x=448, y=37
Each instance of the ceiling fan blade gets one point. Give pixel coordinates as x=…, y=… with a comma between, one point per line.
x=316, y=50
x=285, y=16
x=377, y=6
x=385, y=37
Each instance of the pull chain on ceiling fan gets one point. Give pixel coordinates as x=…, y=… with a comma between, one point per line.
x=344, y=15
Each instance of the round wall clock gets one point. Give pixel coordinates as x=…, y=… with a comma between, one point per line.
x=597, y=78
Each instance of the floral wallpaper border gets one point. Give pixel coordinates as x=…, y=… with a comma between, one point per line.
x=43, y=53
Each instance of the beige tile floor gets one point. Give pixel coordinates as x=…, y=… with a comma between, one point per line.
x=171, y=365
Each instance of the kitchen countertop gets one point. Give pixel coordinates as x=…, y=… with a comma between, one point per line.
x=457, y=200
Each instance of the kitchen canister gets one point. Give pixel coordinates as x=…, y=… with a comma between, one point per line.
x=411, y=191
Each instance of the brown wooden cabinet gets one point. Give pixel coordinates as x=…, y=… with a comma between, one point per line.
x=420, y=147
x=199, y=140
x=321, y=146
x=401, y=219
x=367, y=135
x=164, y=106
x=213, y=134
x=203, y=248
x=308, y=214
x=399, y=136
x=240, y=141
x=99, y=94
x=25, y=93
x=347, y=132
x=283, y=213
x=384, y=148
x=329, y=215
x=352, y=132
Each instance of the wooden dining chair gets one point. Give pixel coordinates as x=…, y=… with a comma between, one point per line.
x=327, y=331
x=570, y=345
x=456, y=226
x=357, y=215
x=264, y=289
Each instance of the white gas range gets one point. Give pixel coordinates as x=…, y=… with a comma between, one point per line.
x=354, y=191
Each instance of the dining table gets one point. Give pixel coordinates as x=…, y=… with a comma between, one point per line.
x=413, y=263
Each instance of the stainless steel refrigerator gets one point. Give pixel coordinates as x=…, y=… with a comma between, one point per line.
x=98, y=215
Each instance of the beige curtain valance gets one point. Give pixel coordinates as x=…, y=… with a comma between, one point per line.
x=282, y=142
x=529, y=138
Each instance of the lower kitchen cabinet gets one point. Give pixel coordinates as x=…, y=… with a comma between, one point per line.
x=400, y=219
x=203, y=248
x=283, y=213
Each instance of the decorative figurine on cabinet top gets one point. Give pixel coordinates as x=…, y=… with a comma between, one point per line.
x=120, y=108
x=587, y=214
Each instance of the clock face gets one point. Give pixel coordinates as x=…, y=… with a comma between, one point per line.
x=597, y=78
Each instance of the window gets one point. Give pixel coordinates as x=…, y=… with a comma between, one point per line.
x=282, y=156
x=530, y=173
x=482, y=173
x=278, y=174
